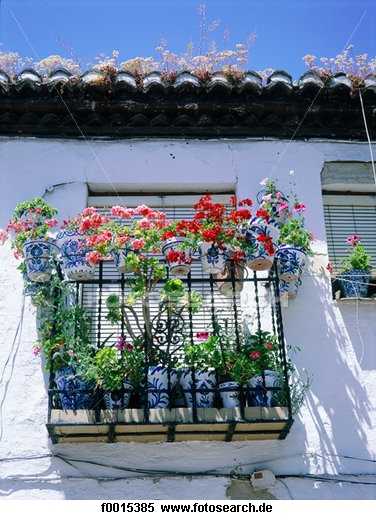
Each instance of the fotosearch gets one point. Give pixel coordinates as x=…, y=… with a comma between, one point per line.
x=216, y=508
